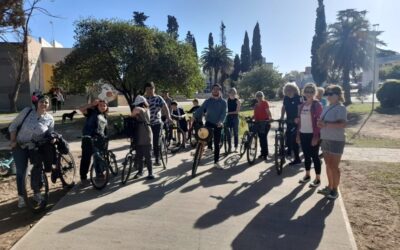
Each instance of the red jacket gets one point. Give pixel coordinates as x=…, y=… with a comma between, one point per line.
x=316, y=111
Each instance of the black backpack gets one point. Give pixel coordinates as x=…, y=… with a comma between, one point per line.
x=129, y=126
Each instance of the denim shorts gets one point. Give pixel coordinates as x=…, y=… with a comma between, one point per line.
x=332, y=147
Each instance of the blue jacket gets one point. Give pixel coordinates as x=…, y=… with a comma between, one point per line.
x=215, y=110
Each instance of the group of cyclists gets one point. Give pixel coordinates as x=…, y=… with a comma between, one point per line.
x=313, y=119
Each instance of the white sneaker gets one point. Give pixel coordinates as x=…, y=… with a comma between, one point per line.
x=21, y=202
x=218, y=166
x=38, y=198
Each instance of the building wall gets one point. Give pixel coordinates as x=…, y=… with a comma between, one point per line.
x=47, y=75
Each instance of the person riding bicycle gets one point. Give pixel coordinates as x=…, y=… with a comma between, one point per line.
x=95, y=126
x=232, y=119
x=216, y=108
x=262, y=114
x=30, y=125
x=156, y=104
x=291, y=104
x=143, y=137
x=179, y=115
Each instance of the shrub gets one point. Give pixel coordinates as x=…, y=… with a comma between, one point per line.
x=389, y=94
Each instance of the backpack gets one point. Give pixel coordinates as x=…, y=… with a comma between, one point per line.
x=129, y=126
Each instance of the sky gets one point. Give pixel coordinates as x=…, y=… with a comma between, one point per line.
x=287, y=26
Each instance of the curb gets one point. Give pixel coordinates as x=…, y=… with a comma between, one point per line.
x=347, y=222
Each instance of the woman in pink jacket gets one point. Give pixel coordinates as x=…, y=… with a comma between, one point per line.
x=308, y=134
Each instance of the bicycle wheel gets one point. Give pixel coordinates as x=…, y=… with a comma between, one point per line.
x=36, y=188
x=112, y=163
x=192, y=138
x=163, y=152
x=244, y=143
x=99, y=173
x=197, y=157
x=227, y=142
x=67, y=170
x=279, y=154
x=127, y=168
x=4, y=170
x=252, y=150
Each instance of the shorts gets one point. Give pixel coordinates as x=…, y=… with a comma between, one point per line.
x=332, y=147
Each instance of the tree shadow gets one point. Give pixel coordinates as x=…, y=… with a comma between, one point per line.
x=243, y=198
x=275, y=228
x=169, y=181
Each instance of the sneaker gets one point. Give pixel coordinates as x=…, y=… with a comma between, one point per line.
x=333, y=195
x=150, y=177
x=324, y=191
x=137, y=176
x=315, y=183
x=262, y=157
x=84, y=182
x=38, y=198
x=305, y=179
x=21, y=202
x=295, y=163
x=218, y=166
x=157, y=163
x=54, y=176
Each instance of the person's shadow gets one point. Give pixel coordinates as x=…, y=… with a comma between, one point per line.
x=275, y=228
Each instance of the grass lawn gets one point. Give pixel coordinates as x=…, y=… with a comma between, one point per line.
x=361, y=108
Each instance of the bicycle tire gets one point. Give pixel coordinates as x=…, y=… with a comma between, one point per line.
x=126, y=168
x=68, y=170
x=4, y=170
x=227, y=143
x=243, y=144
x=163, y=153
x=252, y=150
x=29, y=194
x=197, y=157
x=99, y=183
x=278, y=154
x=112, y=163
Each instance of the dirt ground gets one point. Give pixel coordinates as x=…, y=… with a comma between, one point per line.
x=371, y=193
x=15, y=222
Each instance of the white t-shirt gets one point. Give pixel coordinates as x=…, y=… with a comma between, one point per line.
x=306, y=122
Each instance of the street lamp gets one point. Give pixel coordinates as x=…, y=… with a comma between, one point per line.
x=375, y=33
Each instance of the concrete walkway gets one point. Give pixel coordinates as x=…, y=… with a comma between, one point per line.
x=241, y=207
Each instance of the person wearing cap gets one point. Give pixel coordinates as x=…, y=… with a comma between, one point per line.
x=232, y=119
x=156, y=105
x=262, y=114
x=31, y=124
x=333, y=139
x=95, y=126
x=143, y=137
x=216, y=112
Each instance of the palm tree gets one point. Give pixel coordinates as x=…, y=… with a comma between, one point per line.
x=218, y=60
x=349, y=46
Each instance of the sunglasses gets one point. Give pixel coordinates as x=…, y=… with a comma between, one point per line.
x=44, y=102
x=309, y=92
x=330, y=94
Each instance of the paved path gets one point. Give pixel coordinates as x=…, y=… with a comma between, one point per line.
x=240, y=207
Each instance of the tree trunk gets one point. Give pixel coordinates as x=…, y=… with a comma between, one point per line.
x=346, y=86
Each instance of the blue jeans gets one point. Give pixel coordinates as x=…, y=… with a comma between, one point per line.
x=21, y=157
x=233, y=124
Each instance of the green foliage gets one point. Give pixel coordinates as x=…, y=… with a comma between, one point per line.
x=173, y=27
x=349, y=45
x=318, y=70
x=210, y=41
x=139, y=18
x=128, y=56
x=223, y=36
x=245, y=56
x=11, y=14
x=256, y=52
x=390, y=73
x=192, y=41
x=236, y=68
x=260, y=78
x=217, y=60
x=389, y=94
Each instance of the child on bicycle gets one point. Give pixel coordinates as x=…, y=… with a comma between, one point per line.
x=179, y=115
x=142, y=137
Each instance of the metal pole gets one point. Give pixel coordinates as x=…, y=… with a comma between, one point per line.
x=374, y=81
x=52, y=33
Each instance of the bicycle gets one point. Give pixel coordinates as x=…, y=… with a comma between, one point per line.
x=204, y=135
x=36, y=194
x=104, y=162
x=191, y=134
x=128, y=165
x=225, y=137
x=176, y=134
x=7, y=165
x=249, y=142
x=280, y=157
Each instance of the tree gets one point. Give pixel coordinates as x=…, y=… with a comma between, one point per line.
x=256, y=52
x=12, y=16
x=192, y=41
x=223, y=37
x=236, y=68
x=390, y=73
x=260, y=78
x=210, y=41
x=217, y=60
x=349, y=46
x=318, y=71
x=139, y=18
x=128, y=56
x=245, y=57
x=173, y=27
